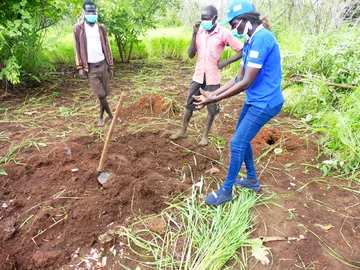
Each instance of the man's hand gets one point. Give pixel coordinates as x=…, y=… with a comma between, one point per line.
x=196, y=27
x=221, y=64
x=111, y=73
x=205, y=98
x=82, y=73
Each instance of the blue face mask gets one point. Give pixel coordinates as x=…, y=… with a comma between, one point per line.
x=91, y=18
x=235, y=34
x=207, y=25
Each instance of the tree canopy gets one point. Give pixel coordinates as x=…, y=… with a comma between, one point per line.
x=22, y=25
x=128, y=21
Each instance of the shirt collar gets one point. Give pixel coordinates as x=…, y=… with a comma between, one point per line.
x=256, y=30
x=214, y=31
x=83, y=21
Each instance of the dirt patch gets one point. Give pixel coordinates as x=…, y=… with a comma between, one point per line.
x=153, y=105
x=157, y=225
x=62, y=189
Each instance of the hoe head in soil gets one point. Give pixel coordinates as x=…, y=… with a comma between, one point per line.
x=105, y=176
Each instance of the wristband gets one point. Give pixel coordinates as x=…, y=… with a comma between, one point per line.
x=214, y=98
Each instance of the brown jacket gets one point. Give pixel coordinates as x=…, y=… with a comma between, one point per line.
x=81, y=48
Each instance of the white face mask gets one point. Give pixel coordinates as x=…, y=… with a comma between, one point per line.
x=248, y=27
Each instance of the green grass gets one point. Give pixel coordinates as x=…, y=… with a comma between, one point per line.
x=197, y=236
x=326, y=95
x=172, y=42
x=159, y=43
x=173, y=32
x=59, y=45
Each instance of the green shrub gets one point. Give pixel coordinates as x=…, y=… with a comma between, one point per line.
x=335, y=57
x=326, y=71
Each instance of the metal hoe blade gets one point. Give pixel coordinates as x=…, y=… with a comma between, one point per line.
x=104, y=177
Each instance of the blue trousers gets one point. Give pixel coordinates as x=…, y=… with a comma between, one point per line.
x=251, y=120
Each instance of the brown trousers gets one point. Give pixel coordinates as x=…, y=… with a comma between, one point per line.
x=98, y=76
x=194, y=90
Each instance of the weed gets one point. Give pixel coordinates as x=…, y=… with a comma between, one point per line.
x=291, y=213
x=35, y=142
x=95, y=132
x=171, y=107
x=65, y=112
x=219, y=143
x=55, y=94
x=57, y=213
x=3, y=138
x=13, y=151
x=186, y=244
x=26, y=221
x=324, y=98
x=332, y=252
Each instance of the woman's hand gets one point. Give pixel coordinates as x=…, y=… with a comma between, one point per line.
x=205, y=98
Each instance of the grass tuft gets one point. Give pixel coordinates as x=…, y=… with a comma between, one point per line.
x=197, y=236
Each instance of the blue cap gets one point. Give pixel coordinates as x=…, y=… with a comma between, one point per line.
x=236, y=8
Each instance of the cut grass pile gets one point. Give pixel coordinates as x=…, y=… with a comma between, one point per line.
x=197, y=236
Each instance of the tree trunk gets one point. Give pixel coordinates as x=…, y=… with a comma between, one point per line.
x=130, y=50
x=5, y=82
x=118, y=43
x=290, y=10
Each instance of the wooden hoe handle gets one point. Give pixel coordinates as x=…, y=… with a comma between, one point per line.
x=108, y=136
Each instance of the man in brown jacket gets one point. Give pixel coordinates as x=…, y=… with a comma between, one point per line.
x=93, y=56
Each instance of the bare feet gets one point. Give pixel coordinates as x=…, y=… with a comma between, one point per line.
x=178, y=135
x=204, y=141
x=101, y=122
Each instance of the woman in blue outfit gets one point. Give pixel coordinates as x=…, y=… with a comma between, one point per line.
x=260, y=75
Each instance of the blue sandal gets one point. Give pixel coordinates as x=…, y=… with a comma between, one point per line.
x=219, y=197
x=253, y=184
